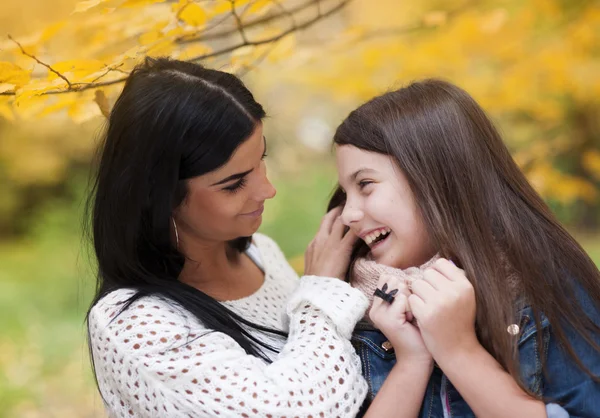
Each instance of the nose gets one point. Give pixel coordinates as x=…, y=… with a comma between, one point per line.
x=266, y=190
x=351, y=214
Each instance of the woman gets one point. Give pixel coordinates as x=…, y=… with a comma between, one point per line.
x=195, y=314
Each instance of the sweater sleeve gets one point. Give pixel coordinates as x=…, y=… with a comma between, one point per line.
x=152, y=360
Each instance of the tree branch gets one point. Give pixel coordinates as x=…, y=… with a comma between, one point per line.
x=276, y=38
x=238, y=21
x=41, y=63
x=78, y=87
x=203, y=36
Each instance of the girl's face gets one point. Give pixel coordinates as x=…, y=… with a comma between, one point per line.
x=380, y=208
x=227, y=203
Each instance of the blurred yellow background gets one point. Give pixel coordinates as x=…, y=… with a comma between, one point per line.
x=532, y=64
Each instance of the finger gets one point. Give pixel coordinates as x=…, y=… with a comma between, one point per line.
x=338, y=228
x=436, y=279
x=384, y=278
x=423, y=290
x=449, y=269
x=328, y=220
x=417, y=306
x=404, y=291
x=399, y=307
x=349, y=240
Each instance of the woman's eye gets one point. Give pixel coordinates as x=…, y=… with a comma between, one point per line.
x=264, y=156
x=364, y=183
x=237, y=186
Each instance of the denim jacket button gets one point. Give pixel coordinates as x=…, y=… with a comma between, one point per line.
x=513, y=329
x=387, y=346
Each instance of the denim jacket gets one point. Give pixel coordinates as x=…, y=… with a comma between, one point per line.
x=569, y=390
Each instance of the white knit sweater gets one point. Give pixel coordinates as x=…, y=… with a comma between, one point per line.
x=156, y=360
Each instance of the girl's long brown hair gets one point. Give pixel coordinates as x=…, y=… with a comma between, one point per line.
x=479, y=209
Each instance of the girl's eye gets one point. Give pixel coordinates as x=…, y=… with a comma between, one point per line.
x=364, y=183
x=237, y=186
x=264, y=155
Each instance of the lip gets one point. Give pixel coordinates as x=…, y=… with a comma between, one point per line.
x=256, y=213
x=362, y=235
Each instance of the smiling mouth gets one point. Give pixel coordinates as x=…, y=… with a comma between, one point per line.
x=257, y=212
x=376, y=237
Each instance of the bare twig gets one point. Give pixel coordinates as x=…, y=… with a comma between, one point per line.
x=289, y=14
x=110, y=69
x=41, y=63
x=238, y=22
x=203, y=36
x=275, y=38
x=257, y=61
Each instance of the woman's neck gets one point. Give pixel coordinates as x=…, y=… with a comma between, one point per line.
x=219, y=270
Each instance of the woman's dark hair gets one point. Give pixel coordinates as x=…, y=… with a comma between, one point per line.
x=173, y=121
x=480, y=210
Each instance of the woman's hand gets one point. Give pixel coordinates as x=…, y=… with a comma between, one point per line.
x=393, y=320
x=444, y=305
x=329, y=252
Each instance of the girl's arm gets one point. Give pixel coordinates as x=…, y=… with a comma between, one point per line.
x=485, y=386
x=402, y=392
x=444, y=305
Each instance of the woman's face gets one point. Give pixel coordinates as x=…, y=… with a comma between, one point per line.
x=380, y=208
x=227, y=203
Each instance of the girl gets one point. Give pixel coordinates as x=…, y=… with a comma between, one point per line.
x=513, y=325
x=196, y=315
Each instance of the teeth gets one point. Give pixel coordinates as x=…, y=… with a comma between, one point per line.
x=375, y=234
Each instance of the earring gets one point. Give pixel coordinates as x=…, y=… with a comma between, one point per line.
x=176, y=233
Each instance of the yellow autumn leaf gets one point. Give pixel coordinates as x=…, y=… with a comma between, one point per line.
x=57, y=103
x=193, y=51
x=224, y=6
x=28, y=94
x=193, y=15
x=75, y=69
x=102, y=102
x=51, y=30
x=149, y=38
x=161, y=48
x=4, y=87
x=83, y=6
x=13, y=74
x=140, y=3
x=84, y=110
x=259, y=6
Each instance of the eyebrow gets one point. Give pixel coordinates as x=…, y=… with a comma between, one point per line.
x=359, y=171
x=238, y=176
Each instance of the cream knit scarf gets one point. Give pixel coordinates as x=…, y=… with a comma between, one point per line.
x=366, y=273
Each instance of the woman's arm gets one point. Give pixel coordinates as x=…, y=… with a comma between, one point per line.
x=152, y=360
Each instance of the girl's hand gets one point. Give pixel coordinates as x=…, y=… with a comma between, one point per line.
x=329, y=252
x=393, y=320
x=444, y=305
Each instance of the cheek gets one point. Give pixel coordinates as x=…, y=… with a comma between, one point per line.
x=211, y=210
x=383, y=207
